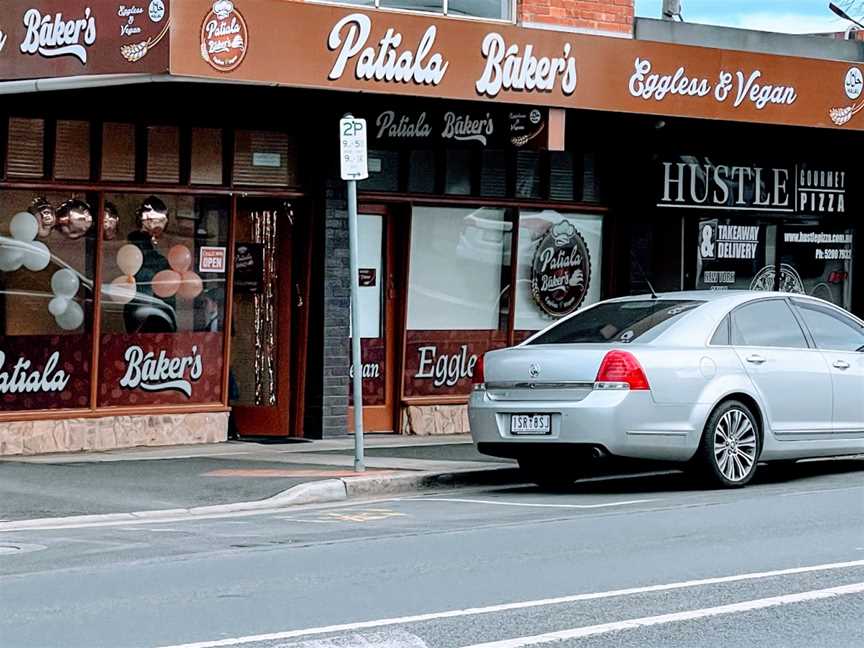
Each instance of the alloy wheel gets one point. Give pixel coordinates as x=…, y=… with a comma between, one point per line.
x=735, y=445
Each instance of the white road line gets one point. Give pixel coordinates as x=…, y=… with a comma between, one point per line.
x=505, y=607
x=525, y=504
x=689, y=615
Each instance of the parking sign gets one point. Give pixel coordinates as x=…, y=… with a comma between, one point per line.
x=352, y=149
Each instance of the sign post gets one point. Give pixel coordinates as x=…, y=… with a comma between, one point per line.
x=354, y=167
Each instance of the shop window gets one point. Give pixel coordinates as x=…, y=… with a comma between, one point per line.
x=558, y=267
x=118, y=152
x=493, y=173
x=163, y=154
x=207, y=154
x=26, y=148
x=458, y=174
x=383, y=172
x=421, y=171
x=265, y=158
x=47, y=251
x=489, y=9
x=163, y=307
x=561, y=176
x=72, y=150
x=459, y=283
x=816, y=259
x=528, y=174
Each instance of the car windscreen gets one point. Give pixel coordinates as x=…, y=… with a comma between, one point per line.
x=617, y=322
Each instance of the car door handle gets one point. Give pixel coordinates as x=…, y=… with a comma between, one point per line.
x=755, y=358
x=841, y=364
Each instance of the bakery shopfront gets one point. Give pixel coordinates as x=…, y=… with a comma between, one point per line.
x=513, y=179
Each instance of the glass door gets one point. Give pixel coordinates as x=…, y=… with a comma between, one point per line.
x=260, y=377
x=377, y=340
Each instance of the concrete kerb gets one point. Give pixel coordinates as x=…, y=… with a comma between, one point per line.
x=315, y=492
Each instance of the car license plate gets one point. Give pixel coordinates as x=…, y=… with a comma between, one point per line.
x=531, y=424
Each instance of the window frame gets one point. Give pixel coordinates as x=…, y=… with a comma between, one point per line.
x=413, y=12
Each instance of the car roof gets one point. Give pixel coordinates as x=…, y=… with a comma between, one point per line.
x=731, y=296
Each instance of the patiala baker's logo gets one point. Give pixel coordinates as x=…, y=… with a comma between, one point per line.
x=561, y=270
x=224, y=37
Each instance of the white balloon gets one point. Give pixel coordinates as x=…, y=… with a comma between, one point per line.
x=37, y=256
x=24, y=227
x=11, y=258
x=65, y=283
x=58, y=306
x=72, y=318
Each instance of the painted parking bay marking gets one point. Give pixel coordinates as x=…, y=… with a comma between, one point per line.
x=525, y=504
x=521, y=605
x=362, y=515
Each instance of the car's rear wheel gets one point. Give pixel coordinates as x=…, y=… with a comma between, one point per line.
x=730, y=445
x=553, y=473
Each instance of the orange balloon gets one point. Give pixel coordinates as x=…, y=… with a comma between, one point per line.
x=190, y=286
x=179, y=258
x=166, y=283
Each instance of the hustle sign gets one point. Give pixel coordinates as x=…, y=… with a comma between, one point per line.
x=691, y=183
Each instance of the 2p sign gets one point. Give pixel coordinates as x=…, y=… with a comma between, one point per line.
x=352, y=149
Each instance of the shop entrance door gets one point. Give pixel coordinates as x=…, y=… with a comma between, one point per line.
x=260, y=374
x=377, y=321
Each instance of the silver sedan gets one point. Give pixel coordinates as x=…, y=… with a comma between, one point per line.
x=721, y=380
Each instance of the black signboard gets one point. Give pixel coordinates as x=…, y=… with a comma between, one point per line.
x=249, y=267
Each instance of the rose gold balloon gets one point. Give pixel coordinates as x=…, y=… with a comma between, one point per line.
x=191, y=286
x=179, y=258
x=45, y=216
x=74, y=219
x=166, y=283
x=110, y=221
x=154, y=223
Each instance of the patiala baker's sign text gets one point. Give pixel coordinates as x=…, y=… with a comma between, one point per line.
x=159, y=372
x=52, y=35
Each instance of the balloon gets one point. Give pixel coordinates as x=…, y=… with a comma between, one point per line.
x=65, y=283
x=11, y=258
x=191, y=285
x=166, y=283
x=179, y=258
x=37, y=256
x=72, y=318
x=58, y=306
x=24, y=227
x=122, y=290
x=129, y=259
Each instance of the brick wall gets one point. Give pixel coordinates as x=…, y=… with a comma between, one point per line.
x=614, y=16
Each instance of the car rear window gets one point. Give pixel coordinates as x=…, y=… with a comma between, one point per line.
x=617, y=322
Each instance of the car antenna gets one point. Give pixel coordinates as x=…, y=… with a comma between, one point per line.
x=644, y=274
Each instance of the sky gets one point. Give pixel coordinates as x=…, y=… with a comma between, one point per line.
x=789, y=16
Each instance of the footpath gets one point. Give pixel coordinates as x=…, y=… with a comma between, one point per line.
x=51, y=490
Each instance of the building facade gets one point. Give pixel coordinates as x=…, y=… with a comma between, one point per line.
x=174, y=255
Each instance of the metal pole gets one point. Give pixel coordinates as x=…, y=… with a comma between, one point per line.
x=354, y=245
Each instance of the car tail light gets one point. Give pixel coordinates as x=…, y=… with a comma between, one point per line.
x=621, y=370
x=479, y=375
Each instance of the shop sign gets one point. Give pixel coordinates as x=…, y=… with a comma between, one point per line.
x=212, y=259
x=44, y=372
x=224, y=37
x=161, y=372
x=494, y=127
x=161, y=368
x=56, y=38
x=249, y=266
x=442, y=363
x=560, y=270
x=52, y=35
x=425, y=56
x=19, y=378
x=799, y=189
x=373, y=353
